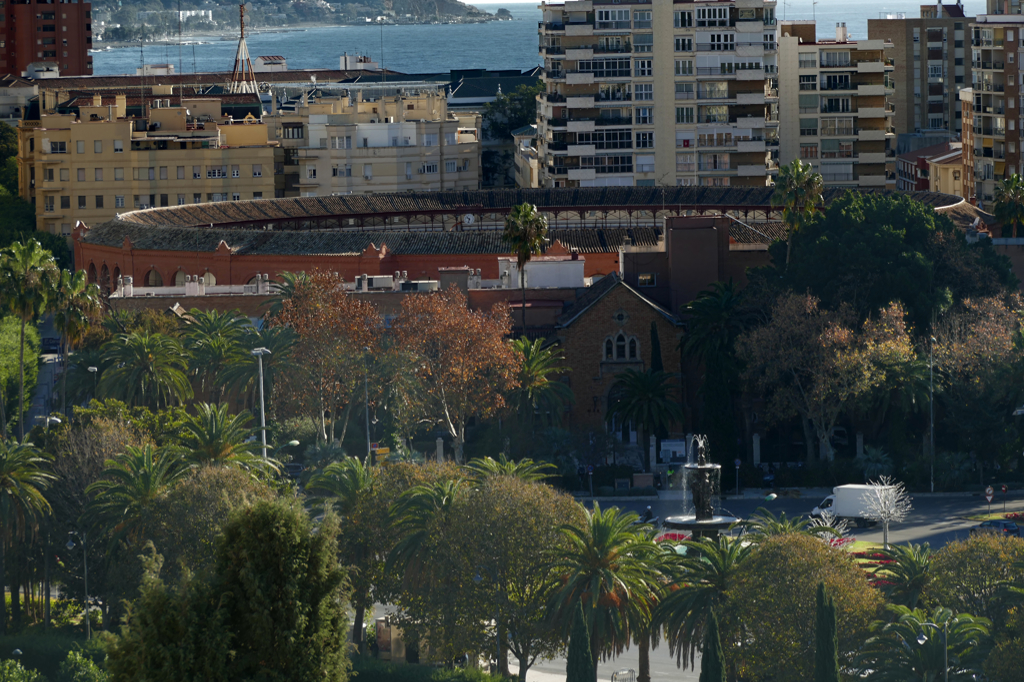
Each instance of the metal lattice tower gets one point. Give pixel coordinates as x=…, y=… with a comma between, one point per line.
x=242, y=78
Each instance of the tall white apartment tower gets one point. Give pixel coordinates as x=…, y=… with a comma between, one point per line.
x=658, y=93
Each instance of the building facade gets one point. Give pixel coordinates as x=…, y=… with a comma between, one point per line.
x=375, y=140
x=932, y=62
x=833, y=105
x=656, y=94
x=913, y=172
x=46, y=32
x=91, y=166
x=967, y=145
x=995, y=38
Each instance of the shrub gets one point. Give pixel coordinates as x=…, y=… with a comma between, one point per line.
x=12, y=671
x=604, y=491
x=366, y=668
x=46, y=652
x=79, y=668
x=969, y=573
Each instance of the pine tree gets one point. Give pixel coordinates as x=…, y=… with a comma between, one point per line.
x=712, y=659
x=826, y=659
x=580, y=662
x=656, y=362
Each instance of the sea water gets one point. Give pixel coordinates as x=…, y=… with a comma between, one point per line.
x=439, y=48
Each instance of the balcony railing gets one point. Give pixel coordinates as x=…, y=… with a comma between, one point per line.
x=714, y=167
x=617, y=97
x=552, y=49
x=553, y=97
x=551, y=26
x=558, y=170
x=625, y=48
x=611, y=25
x=614, y=121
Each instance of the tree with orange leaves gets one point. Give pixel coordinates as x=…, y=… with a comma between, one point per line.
x=466, y=364
x=336, y=333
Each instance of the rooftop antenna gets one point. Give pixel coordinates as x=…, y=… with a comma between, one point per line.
x=242, y=78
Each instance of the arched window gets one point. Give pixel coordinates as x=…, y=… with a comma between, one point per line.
x=632, y=349
x=608, y=349
x=105, y=278
x=209, y=279
x=179, y=278
x=117, y=275
x=92, y=273
x=620, y=347
x=153, y=279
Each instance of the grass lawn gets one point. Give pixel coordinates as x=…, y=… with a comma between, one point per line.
x=994, y=515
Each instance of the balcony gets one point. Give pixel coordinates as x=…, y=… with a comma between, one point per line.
x=551, y=27
x=750, y=98
x=612, y=25
x=625, y=48
x=581, y=102
x=557, y=122
x=582, y=150
x=581, y=126
x=553, y=97
x=870, y=67
x=871, y=90
x=582, y=173
x=871, y=157
x=550, y=50
x=872, y=112
x=557, y=146
x=614, y=121
x=558, y=170
x=577, y=54
x=750, y=146
x=871, y=181
x=614, y=97
x=579, y=30
x=871, y=135
x=752, y=170
x=713, y=167
x=579, y=77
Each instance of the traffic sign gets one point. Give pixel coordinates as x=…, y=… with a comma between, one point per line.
x=989, y=492
x=373, y=446
x=1004, y=488
x=737, y=463
x=988, y=497
x=382, y=451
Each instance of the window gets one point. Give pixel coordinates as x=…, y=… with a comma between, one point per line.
x=257, y=170
x=713, y=16
x=809, y=82
x=450, y=166
x=197, y=198
x=48, y=204
x=81, y=201
x=646, y=279
x=119, y=201
x=644, y=91
x=368, y=171
x=97, y=147
x=218, y=196
x=99, y=201
x=81, y=175
x=58, y=147
x=837, y=126
x=808, y=151
x=713, y=114
x=643, y=42
x=234, y=172
x=163, y=200
x=834, y=105
x=684, y=114
x=311, y=172
x=832, y=59
x=685, y=91
x=684, y=67
x=644, y=115
x=682, y=19
x=181, y=200
x=808, y=60
x=292, y=131
x=684, y=44
x=430, y=140
x=47, y=175
x=163, y=172
x=835, y=82
x=217, y=171
x=685, y=162
x=257, y=195
x=607, y=139
x=608, y=349
x=181, y=172
x=643, y=67
x=64, y=174
x=721, y=42
x=80, y=147
x=612, y=18
x=65, y=202
x=449, y=138
x=608, y=164
x=809, y=126
x=235, y=196
x=645, y=140
x=642, y=19
x=428, y=168
x=118, y=146
x=837, y=149
x=935, y=70
x=197, y=172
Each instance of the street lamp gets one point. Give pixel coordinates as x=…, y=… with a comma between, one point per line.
x=85, y=574
x=922, y=638
x=366, y=402
x=47, y=421
x=259, y=353
x=94, y=371
x=931, y=411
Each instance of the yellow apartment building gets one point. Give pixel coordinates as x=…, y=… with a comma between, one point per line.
x=375, y=139
x=100, y=161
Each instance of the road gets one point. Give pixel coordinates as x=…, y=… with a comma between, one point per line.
x=936, y=519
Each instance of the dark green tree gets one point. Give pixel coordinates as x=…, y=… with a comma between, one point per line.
x=511, y=111
x=712, y=658
x=579, y=665
x=657, y=365
x=826, y=650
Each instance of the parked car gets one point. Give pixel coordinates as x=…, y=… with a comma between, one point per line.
x=997, y=526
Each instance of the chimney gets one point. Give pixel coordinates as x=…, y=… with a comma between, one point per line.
x=841, y=35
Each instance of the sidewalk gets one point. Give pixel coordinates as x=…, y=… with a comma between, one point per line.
x=42, y=396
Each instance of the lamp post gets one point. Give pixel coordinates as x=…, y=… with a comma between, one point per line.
x=931, y=412
x=94, y=371
x=259, y=353
x=922, y=638
x=366, y=402
x=85, y=574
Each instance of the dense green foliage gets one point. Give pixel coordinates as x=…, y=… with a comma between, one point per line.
x=9, y=331
x=579, y=666
x=826, y=644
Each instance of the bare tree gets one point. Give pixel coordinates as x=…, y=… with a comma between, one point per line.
x=830, y=520
x=888, y=503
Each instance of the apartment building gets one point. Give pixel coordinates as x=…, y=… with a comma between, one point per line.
x=375, y=139
x=658, y=93
x=97, y=163
x=931, y=63
x=967, y=190
x=45, y=31
x=833, y=104
x=914, y=171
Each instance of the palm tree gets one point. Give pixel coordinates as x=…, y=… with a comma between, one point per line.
x=798, y=191
x=412, y=516
x=715, y=318
x=129, y=485
x=81, y=384
x=896, y=651
x=1009, y=205
x=906, y=573
x=525, y=469
x=27, y=272
x=212, y=436
x=209, y=358
x=75, y=304
x=525, y=233
x=202, y=325
x=241, y=373
x=145, y=369
x=763, y=524
x=645, y=399
x=701, y=578
x=609, y=566
x=283, y=291
x=539, y=390
x=23, y=478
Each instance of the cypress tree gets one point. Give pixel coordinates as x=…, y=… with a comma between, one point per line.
x=656, y=364
x=826, y=651
x=579, y=665
x=712, y=659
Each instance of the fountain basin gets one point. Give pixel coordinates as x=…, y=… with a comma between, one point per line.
x=699, y=528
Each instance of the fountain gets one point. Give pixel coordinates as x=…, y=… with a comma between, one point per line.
x=703, y=481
